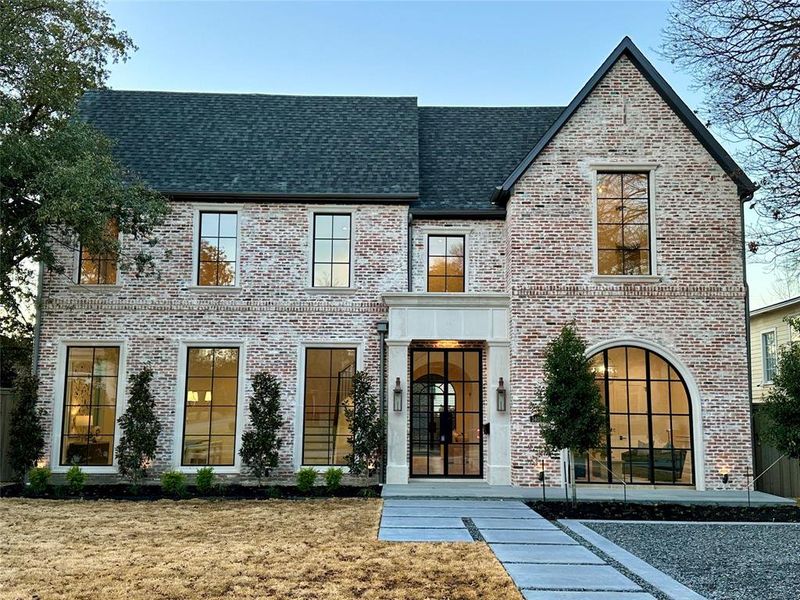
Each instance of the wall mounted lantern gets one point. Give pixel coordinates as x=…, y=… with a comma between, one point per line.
x=725, y=475
x=501, y=396
x=398, y=396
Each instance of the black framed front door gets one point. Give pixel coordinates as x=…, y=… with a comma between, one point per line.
x=446, y=413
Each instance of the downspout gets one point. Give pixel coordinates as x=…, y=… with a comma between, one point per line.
x=746, y=198
x=383, y=329
x=37, y=326
x=410, y=257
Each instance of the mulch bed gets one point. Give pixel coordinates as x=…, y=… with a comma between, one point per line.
x=233, y=491
x=665, y=512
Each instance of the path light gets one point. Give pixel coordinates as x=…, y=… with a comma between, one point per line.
x=501, y=396
x=398, y=396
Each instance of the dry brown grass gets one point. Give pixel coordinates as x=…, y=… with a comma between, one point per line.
x=231, y=549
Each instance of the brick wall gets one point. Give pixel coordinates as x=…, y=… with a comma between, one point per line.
x=272, y=314
x=696, y=312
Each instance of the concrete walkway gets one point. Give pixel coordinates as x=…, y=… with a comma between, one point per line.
x=481, y=489
x=543, y=561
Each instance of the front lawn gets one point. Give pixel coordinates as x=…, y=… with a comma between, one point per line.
x=311, y=549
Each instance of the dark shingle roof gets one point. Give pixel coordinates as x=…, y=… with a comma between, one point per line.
x=227, y=144
x=252, y=143
x=464, y=153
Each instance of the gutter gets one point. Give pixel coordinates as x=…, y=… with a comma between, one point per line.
x=746, y=197
x=410, y=256
x=289, y=197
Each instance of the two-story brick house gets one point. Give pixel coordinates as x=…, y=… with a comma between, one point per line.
x=301, y=225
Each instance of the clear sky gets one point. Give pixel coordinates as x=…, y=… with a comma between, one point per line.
x=445, y=53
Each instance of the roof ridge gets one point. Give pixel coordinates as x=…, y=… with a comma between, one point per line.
x=254, y=94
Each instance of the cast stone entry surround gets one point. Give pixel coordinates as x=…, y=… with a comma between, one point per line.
x=457, y=317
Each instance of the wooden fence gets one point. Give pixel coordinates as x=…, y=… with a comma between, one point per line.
x=6, y=405
x=784, y=478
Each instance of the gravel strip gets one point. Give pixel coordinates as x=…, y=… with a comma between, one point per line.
x=729, y=561
x=473, y=530
x=618, y=566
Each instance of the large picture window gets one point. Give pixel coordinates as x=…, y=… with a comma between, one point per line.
x=98, y=269
x=217, y=250
x=446, y=263
x=623, y=224
x=649, y=421
x=328, y=385
x=209, y=422
x=90, y=406
x=331, y=260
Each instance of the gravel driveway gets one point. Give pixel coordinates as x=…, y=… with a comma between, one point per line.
x=721, y=561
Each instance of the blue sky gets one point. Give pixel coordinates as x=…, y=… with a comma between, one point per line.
x=445, y=53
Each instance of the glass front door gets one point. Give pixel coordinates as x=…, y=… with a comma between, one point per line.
x=446, y=413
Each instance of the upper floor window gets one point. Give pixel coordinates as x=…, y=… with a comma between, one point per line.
x=331, y=258
x=98, y=269
x=446, y=263
x=623, y=224
x=217, y=251
x=769, y=355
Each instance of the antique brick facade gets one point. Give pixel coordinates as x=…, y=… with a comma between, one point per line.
x=533, y=270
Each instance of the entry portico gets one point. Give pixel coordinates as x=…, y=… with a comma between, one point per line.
x=450, y=321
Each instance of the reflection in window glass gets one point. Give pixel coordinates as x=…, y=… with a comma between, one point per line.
x=328, y=389
x=623, y=224
x=649, y=421
x=90, y=405
x=209, y=423
x=217, y=251
x=98, y=269
x=331, y=263
x=446, y=263
x=769, y=349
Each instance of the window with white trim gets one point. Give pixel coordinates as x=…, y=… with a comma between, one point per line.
x=217, y=248
x=769, y=355
x=330, y=263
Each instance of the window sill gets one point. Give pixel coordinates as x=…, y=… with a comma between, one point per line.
x=627, y=279
x=331, y=290
x=324, y=468
x=96, y=287
x=214, y=289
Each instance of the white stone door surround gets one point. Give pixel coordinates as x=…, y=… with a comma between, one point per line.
x=417, y=316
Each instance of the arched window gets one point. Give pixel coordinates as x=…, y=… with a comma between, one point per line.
x=649, y=420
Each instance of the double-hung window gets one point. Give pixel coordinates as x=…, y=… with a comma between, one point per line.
x=217, y=258
x=624, y=239
x=769, y=355
x=331, y=251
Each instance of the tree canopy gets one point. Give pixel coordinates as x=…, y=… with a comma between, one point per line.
x=743, y=54
x=59, y=182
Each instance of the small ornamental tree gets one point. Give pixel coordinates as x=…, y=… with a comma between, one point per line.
x=26, y=436
x=366, y=426
x=140, y=429
x=570, y=408
x=260, y=443
x=782, y=405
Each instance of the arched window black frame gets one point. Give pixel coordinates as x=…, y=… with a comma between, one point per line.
x=649, y=420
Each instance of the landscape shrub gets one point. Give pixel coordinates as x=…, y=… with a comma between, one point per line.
x=173, y=483
x=306, y=477
x=39, y=480
x=76, y=479
x=204, y=480
x=140, y=429
x=260, y=442
x=333, y=479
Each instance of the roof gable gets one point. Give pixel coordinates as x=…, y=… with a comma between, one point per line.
x=628, y=48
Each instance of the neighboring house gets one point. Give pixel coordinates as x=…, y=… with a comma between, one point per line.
x=301, y=225
x=769, y=331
